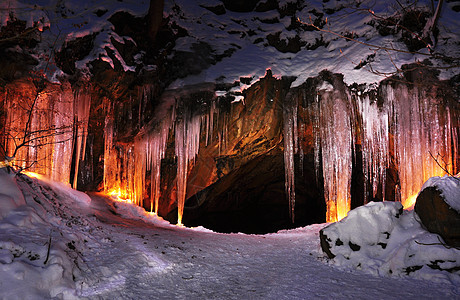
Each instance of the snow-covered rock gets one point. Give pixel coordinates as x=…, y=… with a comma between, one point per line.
x=381, y=239
x=367, y=227
x=449, y=187
x=438, y=206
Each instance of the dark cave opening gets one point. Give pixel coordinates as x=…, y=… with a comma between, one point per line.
x=252, y=199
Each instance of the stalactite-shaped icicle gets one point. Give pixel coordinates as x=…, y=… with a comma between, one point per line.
x=156, y=148
x=290, y=147
x=82, y=102
x=334, y=133
x=182, y=159
x=375, y=144
x=61, y=149
x=41, y=122
x=110, y=157
x=187, y=142
x=422, y=134
x=315, y=113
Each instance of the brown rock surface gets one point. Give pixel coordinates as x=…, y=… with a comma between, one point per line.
x=437, y=216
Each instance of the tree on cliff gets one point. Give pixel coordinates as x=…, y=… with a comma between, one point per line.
x=23, y=124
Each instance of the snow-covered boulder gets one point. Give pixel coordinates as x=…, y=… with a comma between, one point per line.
x=382, y=239
x=366, y=228
x=438, y=206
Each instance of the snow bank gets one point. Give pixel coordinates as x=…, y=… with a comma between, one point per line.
x=37, y=260
x=10, y=195
x=131, y=211
x=449, y=187
x=63, y=190
x=381, y=239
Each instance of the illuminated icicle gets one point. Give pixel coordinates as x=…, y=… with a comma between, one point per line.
x=375, y=144
x=48, y=142
x=333, y=132
x=422, y=128
x=187, y=142
x=210, y=122
x=156, y=148
x=63, y=115
x=110, y=160
x=290, y=148
x=82, y=101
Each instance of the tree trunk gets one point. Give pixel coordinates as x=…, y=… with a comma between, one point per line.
x=154, y=18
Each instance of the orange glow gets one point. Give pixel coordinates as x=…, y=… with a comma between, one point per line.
x=410, y=202
x=342, y=210
x=119, y=195
x=34, y=175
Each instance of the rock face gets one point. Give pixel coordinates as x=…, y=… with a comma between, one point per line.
x=437, y=216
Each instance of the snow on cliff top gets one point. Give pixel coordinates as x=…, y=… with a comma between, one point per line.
x=246, y=36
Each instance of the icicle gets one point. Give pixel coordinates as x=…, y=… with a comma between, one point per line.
x=375, y=144
x=290, y=144
x=110, y=157
x=300, y=149
x=82, y=101
x=422, y=135
x=334, y=135
x=317, y=138
x=182, y=159
x=63, y=116
x=156, y=148
x=187, y=137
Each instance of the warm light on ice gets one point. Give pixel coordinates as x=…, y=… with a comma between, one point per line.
x=34, y=175
x=410, y=202
x=118, y=195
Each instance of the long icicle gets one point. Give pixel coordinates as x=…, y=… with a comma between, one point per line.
x=290, y=148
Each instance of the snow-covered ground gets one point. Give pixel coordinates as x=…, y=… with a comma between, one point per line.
x=59, y=243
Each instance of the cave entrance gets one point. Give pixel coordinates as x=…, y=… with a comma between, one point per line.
x=252, y=199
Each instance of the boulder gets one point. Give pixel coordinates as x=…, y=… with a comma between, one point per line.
x=437, y=216
x=366, y=228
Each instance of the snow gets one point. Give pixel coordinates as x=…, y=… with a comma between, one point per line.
x=390, y=242
x=68, y=20
x=107, y=249
x=64, y=21
x=339, y=55
x=449, y=187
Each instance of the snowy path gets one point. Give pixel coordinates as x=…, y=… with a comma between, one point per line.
x=113, y=250
x=135, y=260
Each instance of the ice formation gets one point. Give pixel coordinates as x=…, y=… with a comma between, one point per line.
x=126, y=166
x=336, y=136
x=425, y=140
x=410, y=127
x=374, y=144
x=42, y=129
x=82, y=100
x=290, y=132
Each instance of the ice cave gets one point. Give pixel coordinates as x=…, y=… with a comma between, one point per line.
x=236, y=116
x=216, y=153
